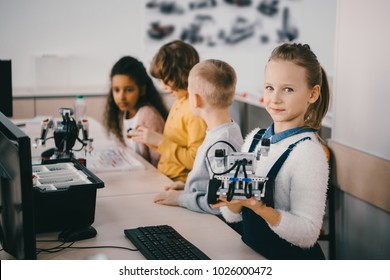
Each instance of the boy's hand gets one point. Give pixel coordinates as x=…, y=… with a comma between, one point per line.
x=167, y=198
x=146, y=136
x=178, y=185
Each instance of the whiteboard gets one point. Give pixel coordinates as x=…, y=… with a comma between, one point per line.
x=361, y=117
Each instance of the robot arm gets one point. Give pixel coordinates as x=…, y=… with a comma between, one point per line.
x=46, y=125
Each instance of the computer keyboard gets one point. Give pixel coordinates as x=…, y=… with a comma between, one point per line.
x=162, y=242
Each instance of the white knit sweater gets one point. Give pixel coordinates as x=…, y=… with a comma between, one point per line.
x=300, y=188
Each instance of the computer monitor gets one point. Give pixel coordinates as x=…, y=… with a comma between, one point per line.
x=6, y=88
x=17, y=228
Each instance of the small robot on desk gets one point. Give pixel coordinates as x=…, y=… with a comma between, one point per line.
x=65, y=134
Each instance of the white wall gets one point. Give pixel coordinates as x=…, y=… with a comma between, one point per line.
x=361, y=92
x=87, y=36
x=80, y=40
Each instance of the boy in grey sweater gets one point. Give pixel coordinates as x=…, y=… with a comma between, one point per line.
x=211, y=87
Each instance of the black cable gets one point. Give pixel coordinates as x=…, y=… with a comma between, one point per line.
x=230, y=193
x=71, y=125
x=67, y=121
x=82, y=144
x=227, y=171
x=104, y=247
x=55, y=249
x=208, y=160
x=52, y=137
x=247, y=187
x=80, y=140
x=61, y=247
x=48, y=240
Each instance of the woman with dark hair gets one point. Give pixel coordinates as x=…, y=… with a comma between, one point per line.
x=133, y=101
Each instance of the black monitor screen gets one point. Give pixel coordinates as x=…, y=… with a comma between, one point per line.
x=6, y=88
x=17, y=233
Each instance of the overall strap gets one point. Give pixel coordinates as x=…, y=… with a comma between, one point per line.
x=256, y=140
x=278, y=164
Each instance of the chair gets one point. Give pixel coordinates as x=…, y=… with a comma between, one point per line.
x=329, y=234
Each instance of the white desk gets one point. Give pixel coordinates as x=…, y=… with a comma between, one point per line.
x=126, y=201
x=145, y=181
x=114, y=214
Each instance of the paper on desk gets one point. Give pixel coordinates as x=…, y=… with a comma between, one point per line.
x=111, y=159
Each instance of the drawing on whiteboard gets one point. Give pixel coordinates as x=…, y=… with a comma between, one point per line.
x=222, y=23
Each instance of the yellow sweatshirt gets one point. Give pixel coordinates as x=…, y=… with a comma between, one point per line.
x=183, y=134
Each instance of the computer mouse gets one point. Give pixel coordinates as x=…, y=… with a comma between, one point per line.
x=71, y=235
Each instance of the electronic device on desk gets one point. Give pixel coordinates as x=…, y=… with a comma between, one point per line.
x=62, y=196
x=64, y=189
x=66, y=133
x=163, y=242
x=65, y=196
x=236, y=177
x=17, y=227
x=72, y=235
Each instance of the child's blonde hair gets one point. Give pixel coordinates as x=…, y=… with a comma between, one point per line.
x=215, y=81
x=302, y=56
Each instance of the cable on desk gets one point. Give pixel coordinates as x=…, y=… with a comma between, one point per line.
x=61, y=247
x=55, y=249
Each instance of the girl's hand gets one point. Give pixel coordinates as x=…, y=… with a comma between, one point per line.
x=146, y=136
x=234, y=205
x=254, y=204
x=269, y=214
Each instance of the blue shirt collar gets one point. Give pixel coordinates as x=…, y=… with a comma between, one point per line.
x=275, y=138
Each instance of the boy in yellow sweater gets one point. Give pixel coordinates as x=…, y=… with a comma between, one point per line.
x=183, y=131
